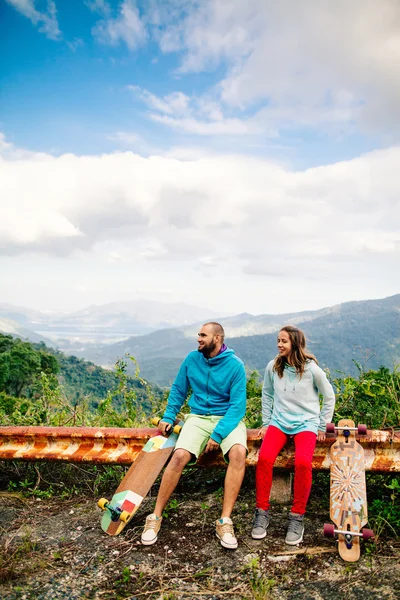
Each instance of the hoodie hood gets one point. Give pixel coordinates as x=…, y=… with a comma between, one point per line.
x=227, y=353
x=291, y=369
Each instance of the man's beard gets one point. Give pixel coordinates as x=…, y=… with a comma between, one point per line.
x=206, y=350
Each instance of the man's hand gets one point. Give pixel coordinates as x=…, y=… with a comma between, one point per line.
x=164, y=427
x=321, y=435
x=211, y=445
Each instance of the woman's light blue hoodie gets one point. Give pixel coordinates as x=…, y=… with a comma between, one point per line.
x=292, y=403
x=218, y=387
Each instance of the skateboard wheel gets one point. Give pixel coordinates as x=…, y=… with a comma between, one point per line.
x=362, y=429
x=329, y=530
x=102, y=503
x=367, y=534
x=155, y=421
x=177, y=429
x=330, y=428
x=125, y=516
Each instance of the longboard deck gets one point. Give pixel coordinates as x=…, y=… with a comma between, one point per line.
x=138, y=480
x=348, y=497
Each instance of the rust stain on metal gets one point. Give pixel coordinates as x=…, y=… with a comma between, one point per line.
x=115, y=445
x=76, y=444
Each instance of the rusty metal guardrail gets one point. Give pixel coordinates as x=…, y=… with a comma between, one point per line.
x=112, y=445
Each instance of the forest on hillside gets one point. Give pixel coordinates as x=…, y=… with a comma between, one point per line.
x=39, y=385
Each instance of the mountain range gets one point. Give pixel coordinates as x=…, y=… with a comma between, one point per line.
x=98, y=323
x=367, y=331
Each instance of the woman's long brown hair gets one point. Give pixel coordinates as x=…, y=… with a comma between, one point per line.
x=299, y=354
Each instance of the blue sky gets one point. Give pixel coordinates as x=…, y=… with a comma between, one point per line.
x=70, y=89
x=75, y=88
x=250, y=143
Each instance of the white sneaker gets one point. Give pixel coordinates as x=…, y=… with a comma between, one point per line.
x=151, y=529
x=224, y=531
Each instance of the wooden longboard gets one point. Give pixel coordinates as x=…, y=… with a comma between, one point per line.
x=348, y=496
x=137, y=482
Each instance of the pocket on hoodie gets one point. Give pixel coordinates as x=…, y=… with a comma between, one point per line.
x=291, y=420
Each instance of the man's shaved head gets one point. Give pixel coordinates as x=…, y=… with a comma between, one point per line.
x=217, y=329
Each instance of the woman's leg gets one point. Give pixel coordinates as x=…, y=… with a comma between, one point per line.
x=273, y=442
x=304, y=443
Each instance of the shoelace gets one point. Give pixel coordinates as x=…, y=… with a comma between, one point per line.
x=150, y=524
x=260, y=520
x=226, y=528
x=295, y=526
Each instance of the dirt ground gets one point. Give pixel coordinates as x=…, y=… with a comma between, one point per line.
x=51, y=549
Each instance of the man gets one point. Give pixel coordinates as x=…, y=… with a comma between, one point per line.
x=217, y=380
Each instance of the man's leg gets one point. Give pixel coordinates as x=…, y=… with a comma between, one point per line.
x=233, y=481
x=233, y=478
x=172, y=474
x=191, y=442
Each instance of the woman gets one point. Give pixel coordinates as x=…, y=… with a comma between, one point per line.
x=291, y=408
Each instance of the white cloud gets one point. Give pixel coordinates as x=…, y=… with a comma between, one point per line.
x=46, y=20
x=198, y=127
x=127, y=138
x=328, y=67
x=75, y=44
x=99, y=6
x=211, y=210
x=200, y=116
x=10, y=152
x=115, y=257
x=210, y=31
x=5, y=146
x=171, y=104
x=203, y=115
x=127, y=27
x=120, y=224
x=304, y=63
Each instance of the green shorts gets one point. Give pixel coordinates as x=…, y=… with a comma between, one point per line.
x=197, y=431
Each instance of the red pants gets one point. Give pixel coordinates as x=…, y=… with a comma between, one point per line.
x=273, y=442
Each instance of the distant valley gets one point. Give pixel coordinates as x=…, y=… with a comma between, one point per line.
x=366, y=331
x=98, y=324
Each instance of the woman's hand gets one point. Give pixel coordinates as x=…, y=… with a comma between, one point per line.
x=321, y=435
x=262, y=431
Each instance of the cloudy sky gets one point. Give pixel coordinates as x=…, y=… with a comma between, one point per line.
x=241, y=155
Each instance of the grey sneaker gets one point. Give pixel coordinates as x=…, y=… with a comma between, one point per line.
x=260, y=524
x=295, y=530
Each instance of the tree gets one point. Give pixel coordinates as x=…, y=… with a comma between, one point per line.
x=24, y=365
x=21, y=365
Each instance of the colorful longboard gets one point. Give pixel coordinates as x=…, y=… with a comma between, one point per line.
x=348, y=497
x=137, y=482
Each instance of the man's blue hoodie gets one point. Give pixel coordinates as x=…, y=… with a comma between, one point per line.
x=218, y=388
